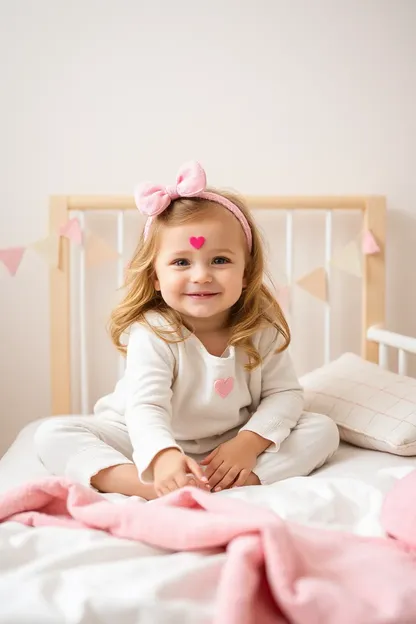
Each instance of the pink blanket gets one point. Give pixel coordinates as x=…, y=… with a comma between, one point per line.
x=275, y=571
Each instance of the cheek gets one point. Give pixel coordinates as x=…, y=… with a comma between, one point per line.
x=179, y=282
x=171, y=281
x=235, y=278
x=241, y=272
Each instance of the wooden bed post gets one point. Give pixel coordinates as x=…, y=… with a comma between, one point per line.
x=374, y=275
x=60, y=334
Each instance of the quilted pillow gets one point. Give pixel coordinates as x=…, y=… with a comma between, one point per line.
x=373, y=408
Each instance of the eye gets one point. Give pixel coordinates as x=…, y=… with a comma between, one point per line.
x=220, y=260
x=181, y=262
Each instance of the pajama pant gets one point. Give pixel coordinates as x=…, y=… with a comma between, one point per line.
x=78, y=447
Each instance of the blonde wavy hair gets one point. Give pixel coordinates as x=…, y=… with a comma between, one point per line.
x=257, y=308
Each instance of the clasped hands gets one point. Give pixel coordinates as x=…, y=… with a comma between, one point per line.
x=231, y=464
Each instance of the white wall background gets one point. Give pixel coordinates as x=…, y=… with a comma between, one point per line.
x=272, y=96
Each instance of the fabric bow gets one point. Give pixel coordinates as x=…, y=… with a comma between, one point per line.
x=152, y=199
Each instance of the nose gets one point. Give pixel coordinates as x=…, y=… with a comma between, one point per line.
x=201, y=274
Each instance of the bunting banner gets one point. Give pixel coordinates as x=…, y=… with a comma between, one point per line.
x=11, y=258
x=72, y=230
x=348, y=259
x=315, y=283
x=369, y=244
x=48, y=249
x=97, y=250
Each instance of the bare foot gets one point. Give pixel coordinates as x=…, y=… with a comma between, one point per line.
x=252, y=480
x=122, y=479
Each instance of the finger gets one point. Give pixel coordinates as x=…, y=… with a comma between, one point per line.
x=227, y=480
x=170, y=486
x=209, y=457
x=191, y=480
x=198, y=484
x=213, y=466
x=218, y=475
x=242, y=478
x=196, y=470
x=203, y=486
x=159, y=489
x=181, y=480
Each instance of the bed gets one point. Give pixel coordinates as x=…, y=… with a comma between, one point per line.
x=87, y=576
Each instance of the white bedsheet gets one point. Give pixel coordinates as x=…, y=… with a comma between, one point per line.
x=63, y=576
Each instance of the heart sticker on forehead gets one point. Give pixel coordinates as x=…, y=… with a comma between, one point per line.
x=197, y=241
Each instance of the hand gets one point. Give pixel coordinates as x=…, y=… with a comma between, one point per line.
x=171, y=471
x=230, y=464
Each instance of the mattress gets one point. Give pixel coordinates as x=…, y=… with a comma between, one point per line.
x=85, y=576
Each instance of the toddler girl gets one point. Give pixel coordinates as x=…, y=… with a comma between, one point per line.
x=209, y=396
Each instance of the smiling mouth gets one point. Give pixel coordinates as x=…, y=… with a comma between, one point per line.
x=201, y=295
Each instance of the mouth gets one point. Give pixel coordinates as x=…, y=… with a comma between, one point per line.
x=202, y=295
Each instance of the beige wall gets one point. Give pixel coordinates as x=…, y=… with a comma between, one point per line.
x=271, y=96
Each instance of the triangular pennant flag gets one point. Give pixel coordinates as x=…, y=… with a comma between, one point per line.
x=369, y=244
x=315, y=283
x=48, y=249
x=348, y=259
x=12, y=258
x=97, y=250
x=72, y=230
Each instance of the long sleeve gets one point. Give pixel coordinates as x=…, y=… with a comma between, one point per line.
x=281, y=399
x=148, y=378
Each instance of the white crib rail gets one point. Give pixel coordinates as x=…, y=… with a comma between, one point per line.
x=386, y=339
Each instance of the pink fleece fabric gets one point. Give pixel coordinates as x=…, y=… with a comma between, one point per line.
x=275, y=571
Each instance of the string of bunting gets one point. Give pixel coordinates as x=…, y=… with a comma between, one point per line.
x=347, y=259
x=98, y=251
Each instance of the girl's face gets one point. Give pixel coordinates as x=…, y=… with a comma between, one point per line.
x=202, y=283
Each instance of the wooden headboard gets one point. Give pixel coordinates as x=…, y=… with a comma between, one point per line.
x=373, y=210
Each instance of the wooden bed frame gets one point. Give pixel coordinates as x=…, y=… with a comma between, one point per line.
x=373, y=282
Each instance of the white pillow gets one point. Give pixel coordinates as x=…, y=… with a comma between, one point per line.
x=372, y=407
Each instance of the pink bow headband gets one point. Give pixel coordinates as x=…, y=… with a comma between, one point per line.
x=152, y=199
